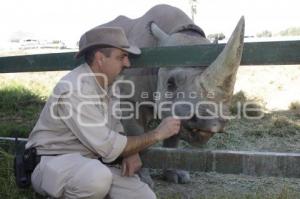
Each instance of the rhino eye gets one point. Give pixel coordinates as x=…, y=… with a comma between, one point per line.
x=171, y=85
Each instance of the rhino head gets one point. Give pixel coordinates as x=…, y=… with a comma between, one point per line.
x=199, y=96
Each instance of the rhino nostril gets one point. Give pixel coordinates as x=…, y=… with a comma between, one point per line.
x=223, y=120
x=194, y=118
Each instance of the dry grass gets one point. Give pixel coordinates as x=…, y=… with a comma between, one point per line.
x=40, y=83
x=277, y=86
x=251, y=106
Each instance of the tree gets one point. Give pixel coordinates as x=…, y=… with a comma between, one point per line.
x=265, y=33
x=193, y=4
x=216, y=37
x=293, y=31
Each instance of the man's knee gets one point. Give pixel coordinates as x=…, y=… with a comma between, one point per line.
x=92, y=181
x=101, y=181
x=148, y=194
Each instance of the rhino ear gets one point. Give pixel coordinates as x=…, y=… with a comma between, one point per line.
x=221, y=74
x=158, y=33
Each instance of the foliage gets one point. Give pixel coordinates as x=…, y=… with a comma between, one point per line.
x=216, y=36
x=295, y=106
x=265, y=33
x=293, y=31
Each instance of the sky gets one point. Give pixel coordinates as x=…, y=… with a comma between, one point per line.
x=68, y=19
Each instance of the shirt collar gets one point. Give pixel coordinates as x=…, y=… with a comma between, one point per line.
x=91, y=78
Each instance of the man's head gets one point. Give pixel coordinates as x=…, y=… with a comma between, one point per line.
x=106, y=50
x=108, y=61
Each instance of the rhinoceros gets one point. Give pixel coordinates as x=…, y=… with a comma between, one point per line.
x=197, y=92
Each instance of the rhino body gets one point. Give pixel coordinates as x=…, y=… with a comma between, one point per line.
x=164, y=25
x=170, y=19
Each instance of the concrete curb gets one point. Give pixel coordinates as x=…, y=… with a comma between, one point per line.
x=220, y=161
x=227, y=162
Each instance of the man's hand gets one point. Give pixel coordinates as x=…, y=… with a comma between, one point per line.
x=131, y=164
x=168, y=127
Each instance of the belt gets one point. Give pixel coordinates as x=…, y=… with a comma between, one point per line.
x=38, y=159
x=117, y=161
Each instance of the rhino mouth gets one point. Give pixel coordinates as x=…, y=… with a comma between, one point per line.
x=201, y=136
x=196, y=137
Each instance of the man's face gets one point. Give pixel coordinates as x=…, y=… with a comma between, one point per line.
x=113, y=65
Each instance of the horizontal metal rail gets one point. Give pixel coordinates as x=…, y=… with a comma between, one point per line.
x=256, y=53
x=13, y=139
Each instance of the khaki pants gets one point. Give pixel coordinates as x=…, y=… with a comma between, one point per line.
x=74, y=176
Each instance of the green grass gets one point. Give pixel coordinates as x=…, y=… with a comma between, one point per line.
x=22, y=97
x=8, y=188
x=19, y=110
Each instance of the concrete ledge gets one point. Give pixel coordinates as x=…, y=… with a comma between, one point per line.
x=221, y=161
x=228, y=162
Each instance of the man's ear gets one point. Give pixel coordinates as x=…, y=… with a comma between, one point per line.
x=99, y=57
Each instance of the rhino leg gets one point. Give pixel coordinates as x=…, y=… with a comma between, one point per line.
x=135, y=127
x=132, y=127
x=171, y=142
x=175, y=175
x=145, y=176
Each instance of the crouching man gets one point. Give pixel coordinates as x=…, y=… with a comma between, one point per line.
x=78, y=140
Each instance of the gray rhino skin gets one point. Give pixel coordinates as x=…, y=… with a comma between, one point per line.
x=164, y=25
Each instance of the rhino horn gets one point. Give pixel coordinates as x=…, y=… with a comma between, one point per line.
x=221, y=74
x=158, y=33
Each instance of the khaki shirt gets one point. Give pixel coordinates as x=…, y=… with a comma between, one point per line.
x=77, y=118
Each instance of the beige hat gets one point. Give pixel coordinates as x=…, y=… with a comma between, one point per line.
x=106, y=36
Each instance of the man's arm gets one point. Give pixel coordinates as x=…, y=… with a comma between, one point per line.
x=131, y=164
x=167, y=128
x=84, y=124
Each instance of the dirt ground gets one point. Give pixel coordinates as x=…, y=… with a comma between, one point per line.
x=214, y=185
x=279, y=130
